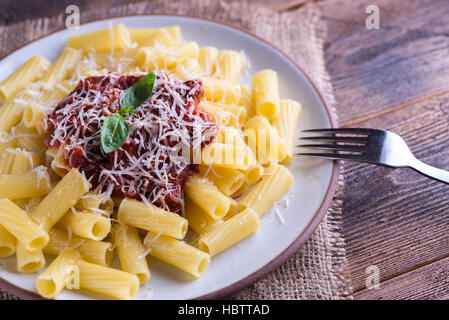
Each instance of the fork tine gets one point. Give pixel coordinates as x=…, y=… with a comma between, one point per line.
x=336, y=139
x=335, y=147
x=344, y=130
x=334, y=156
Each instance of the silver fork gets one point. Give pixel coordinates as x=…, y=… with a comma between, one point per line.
x=368, y=145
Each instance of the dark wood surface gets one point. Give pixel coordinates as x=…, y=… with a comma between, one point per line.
x=395, y=78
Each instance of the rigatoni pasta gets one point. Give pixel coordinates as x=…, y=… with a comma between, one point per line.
x=51, y=282
x=108, y=281
x=7, y=243
x=19, y=224
x=98, y=252
x=229, y=65
x=177, y=253
x=90, y=159
x=207, y=196
x=27, y=72
x=131, y=252
x=64, y=196
x=229, y=232
x=25, y=185
x=285, y=123
x=114, y=38
x=152, y=218
x=29, y=261
x=207, y=58
x=90, y=225
x=266, y=93
x=267, y=191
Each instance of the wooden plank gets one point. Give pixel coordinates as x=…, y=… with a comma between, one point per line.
x=281, y=5
x=398, y=219
x=427, y=283
x=14, y=11
x=373, y=71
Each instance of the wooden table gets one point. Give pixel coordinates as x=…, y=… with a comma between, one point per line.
x=394, y=78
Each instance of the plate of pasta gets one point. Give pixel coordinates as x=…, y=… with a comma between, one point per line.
x=152, y=157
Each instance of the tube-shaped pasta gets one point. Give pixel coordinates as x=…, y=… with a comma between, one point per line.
x=29, y=261
x=34, y=113
x=226, y=156
x=285, y=123
x=8, y=141
x=221, y=91
x=206, y=59
x=233, y=208
x=225, y=117
x=64, y=196
x=231, y=135
x=28, y=139
x=198, y=219
x=51, y=282
x=25, y=185
x=186, y=69
x=61, y=68
x=264, y=140
x=229, y=232
x=7, y=243
x=86, y=224
x=98, y=252
x=163, y=36
x=108, y=281
x=7, y=161
x=241, y=191
x=152, y=218
x=24, y=161
x=266, y=93
x=177, y=253
x=20, y=225
x=254, y=172
x=12, y=110
x=267, y=191
x=27, y=72
x=239, y=113
x=109, y=60
x=95, y=202
x=247, y=101
x=29, y=204
x=57, y=161
x=114, y=38
x=207, y=196
x=229, y=65
x=228, y=180
x=168, y=57
x=131, y=252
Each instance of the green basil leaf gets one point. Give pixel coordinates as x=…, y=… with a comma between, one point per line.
x=138, y=93
x=114, y=132
x=126, y=110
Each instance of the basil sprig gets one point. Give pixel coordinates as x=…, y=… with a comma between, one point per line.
x=115, y=129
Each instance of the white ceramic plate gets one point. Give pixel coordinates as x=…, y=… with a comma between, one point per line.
x=310, y=196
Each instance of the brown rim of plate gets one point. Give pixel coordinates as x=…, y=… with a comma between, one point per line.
x=295, y=245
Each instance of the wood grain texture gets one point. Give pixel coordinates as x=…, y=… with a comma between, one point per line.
x=398, y=219
x=14, y=11
x=427, y=283
x=373, y=71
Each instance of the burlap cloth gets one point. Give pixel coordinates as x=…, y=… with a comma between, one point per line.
x=318, y=270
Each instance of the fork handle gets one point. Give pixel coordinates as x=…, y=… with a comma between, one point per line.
x=432, y=172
